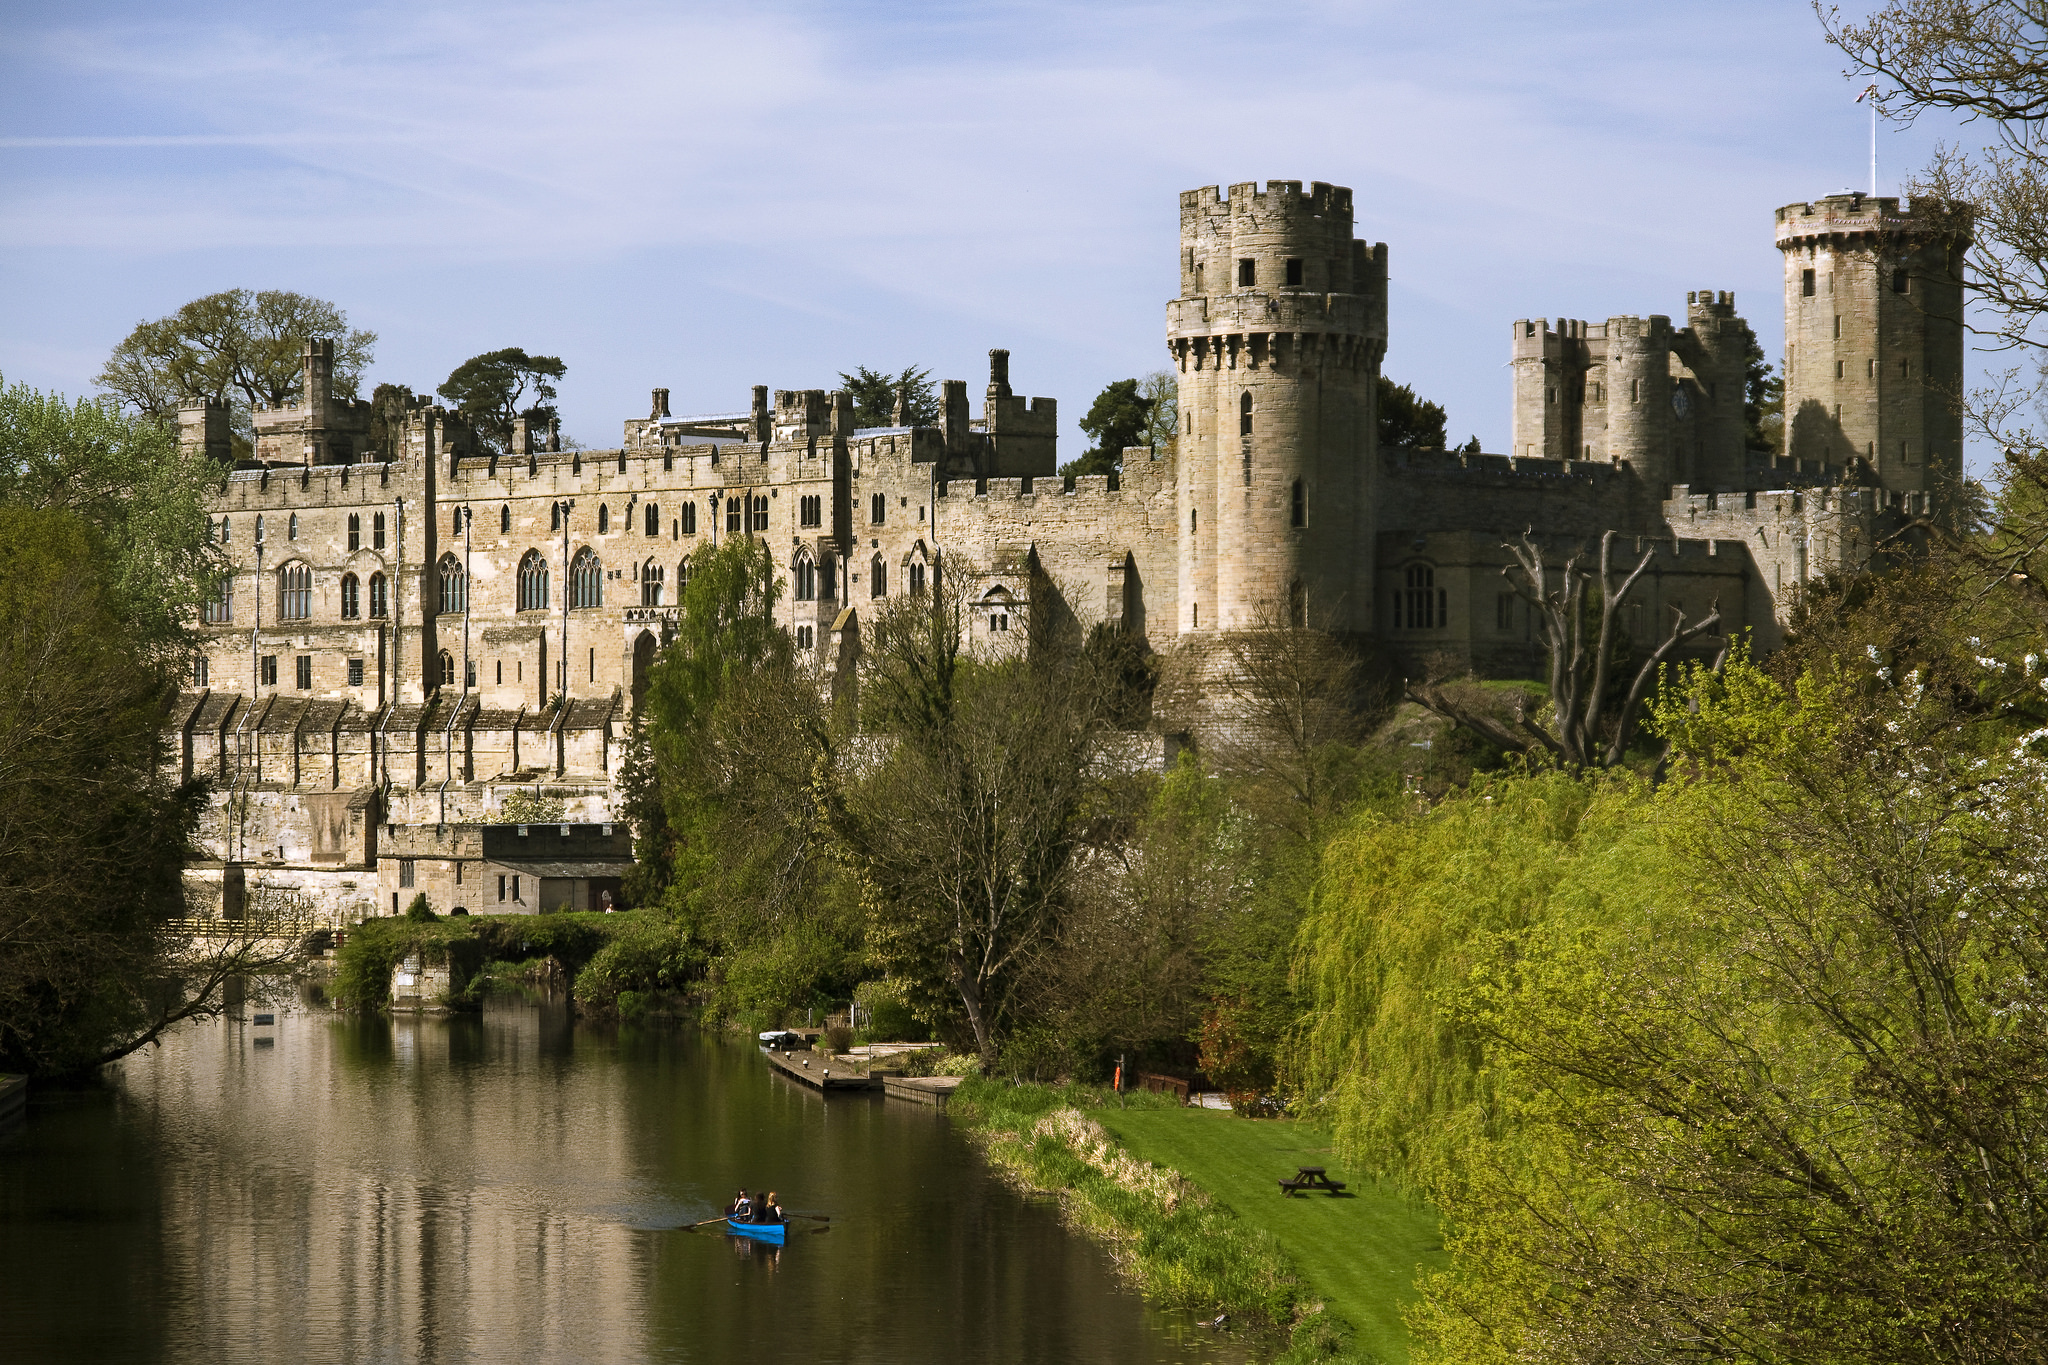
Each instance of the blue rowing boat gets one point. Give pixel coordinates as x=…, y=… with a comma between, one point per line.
x=760, y=1232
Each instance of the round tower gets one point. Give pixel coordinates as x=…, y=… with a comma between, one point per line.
x=1277, y=338
x=1874, y=337
x=1639, y=398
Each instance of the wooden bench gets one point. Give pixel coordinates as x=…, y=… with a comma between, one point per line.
x=1310, y=1178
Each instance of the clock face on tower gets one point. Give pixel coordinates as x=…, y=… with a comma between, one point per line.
x=1681, y=401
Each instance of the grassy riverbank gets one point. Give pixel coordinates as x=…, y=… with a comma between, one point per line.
x=1185, y=1199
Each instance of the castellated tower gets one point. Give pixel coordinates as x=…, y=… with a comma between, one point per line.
x=1874, y=338
x=1277, y=336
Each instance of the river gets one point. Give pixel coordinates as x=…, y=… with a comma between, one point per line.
x=509, y=1188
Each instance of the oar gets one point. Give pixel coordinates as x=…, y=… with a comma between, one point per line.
x=692, y=1227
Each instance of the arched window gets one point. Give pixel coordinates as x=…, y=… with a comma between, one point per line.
x=377, y=531
x=917, y=578
x=224, y=537
x=828, y=578
x=291, y=527
x=682, y=579
x=454, y=585
x=259, y=528
x=806, y=573
x=554, y=516
x=533, y=582
x=380, y=597
x=1244, y=415
x=351, y=597
x=604, y=519
x=505, y=520
x=761, y=513
x=1297, y=512
x=1421, y=605
x=447, y=669
x=586, y=579
x=651, y=575
x=219, y=608
x=651, y=519
x=878, y=577
x=294, y=592
x=455, y=521
x=355, y=531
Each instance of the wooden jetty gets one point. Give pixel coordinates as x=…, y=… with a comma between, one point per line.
x=932, y=1091
x=821, y=1072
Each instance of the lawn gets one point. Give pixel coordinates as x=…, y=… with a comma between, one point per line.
x=1361, y=1253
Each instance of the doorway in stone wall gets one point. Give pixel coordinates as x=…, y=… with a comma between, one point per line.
x=643, y=661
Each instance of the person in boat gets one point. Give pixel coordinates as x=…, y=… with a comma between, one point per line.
x=740, y=1207
x=771, y=1212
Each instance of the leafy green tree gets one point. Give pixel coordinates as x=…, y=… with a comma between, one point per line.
x=1407, y=422
x=245, y=347
x=1161, y=390
x=126, y=476
x=1120, y=416
x=93, y=835
x=874, y=395
x=491, y=391
x=719, y=785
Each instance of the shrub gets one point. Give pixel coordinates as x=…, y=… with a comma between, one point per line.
x=621, y=976
x=839, y=1038
x=419, y=912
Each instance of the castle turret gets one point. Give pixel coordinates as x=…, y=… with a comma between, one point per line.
x=1277, y=339
x=203, y=427
x=1641, y=397
x=1713, y=353
x=1873, y=336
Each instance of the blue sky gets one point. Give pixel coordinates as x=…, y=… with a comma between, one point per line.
x=705, y=197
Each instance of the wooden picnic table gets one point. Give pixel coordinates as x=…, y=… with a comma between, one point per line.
x=1310, y=1178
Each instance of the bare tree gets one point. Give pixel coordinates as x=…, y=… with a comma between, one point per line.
x=964, y=836
x=1577, y=732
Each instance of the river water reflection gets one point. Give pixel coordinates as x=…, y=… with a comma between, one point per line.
x=508, y=1189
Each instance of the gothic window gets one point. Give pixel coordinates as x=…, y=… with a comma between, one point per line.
x=291, y=527
x=355, y=531
x=447, y=669
x=1244, y=415
x=604, y=519
x=533, y=582
x=505, y=520
x=652, y=519
x=806, y=637
x=682, y=578
x=219, y=608
x=224, y=531
x=1297, y=511
x=689, y=518
x=732, y=515
x=380, y=597
x=259, y=528
x=651, y=575
x=806, y=573
x=455, y=522
x=377, y=531
x=917, y=578
x=761, y=513
x=586, y=579
x=351, y=597
x=878, y=508
x=828, y=578
x=454, y=585
x=1421, y=605
x=878, y=578
x=554, y=516
x=294, y=592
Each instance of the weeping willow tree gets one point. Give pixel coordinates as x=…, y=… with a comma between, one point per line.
x=1743, y=1069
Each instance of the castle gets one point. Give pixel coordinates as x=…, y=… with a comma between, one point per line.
x=411, y=632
